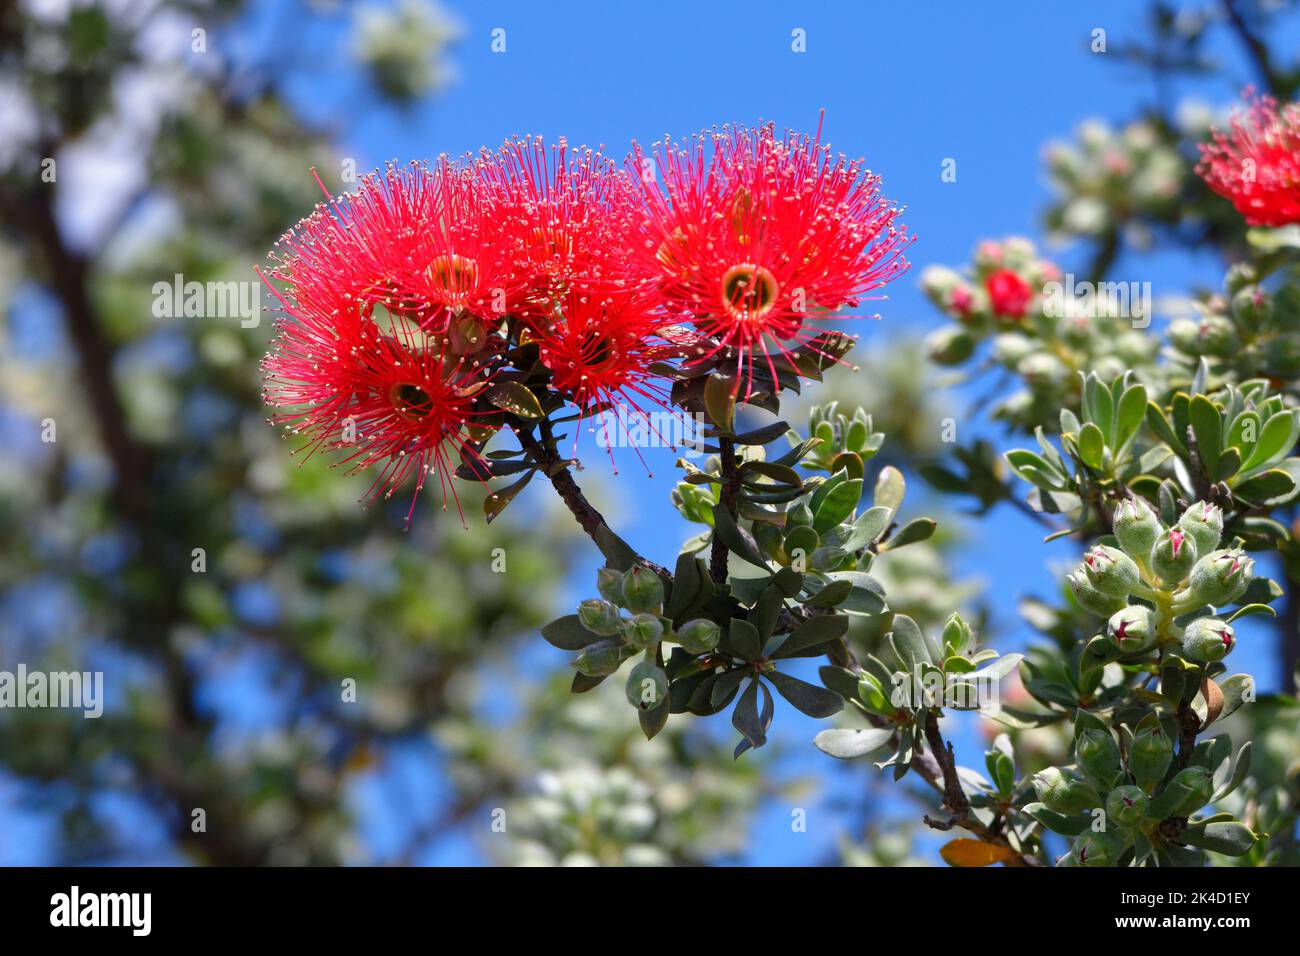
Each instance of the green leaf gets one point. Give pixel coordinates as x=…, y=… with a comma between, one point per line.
x=1266, y=487
x=744, y=640
x=1248, y=609
x=568, y=634
x=497, y=501
x=1207, y=426
x=761, y=436
x=809, y=698
x=890, y=488
x=1159, y=424
x=1129, y=414
x=765, y=612
x=1092, y=446
x=867, y=595
x=838, y=505
x=1057, y=822
x=720, y=401
x=867, y=528
x=1230, y=838
x=515, y=398
x=814, y=631
x=745, y=718
x=908, y=642
x=737, y=540
x=847, y=744
x=1276, y=438
x=654, y=719
x=918, y=529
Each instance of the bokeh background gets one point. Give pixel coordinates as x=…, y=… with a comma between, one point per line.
x=184, y=152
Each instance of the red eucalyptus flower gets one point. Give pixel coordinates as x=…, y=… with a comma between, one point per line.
x=1009, y=294
x=1257, y=164
x=601, y=347
x=753, y=235
x=565, y=214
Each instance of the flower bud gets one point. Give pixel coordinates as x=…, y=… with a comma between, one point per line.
x=1089, y=598
x=642, y=590
x=1132, y=629
x=1010, y=347
x=1203, y=522
x=1252, y=306
x=1218, y=336
x=1064, y=792
x=1186, y=793
x=642, y=631
x=1185, y=334
x=1150, y=755
x=1136, y=527
x=1098, y=755
x=599, y=659
x=609, y=583
x=950, y=346
x=1111, y=571
x=599, y=617
x=699, y=636
x=1096, y=849
x=1126, y=806
x=1208, y=639
x=1173, y=555
x=1221, y=576
x=647, y=686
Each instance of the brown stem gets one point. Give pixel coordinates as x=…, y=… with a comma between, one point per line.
x=728, y=500
x=556, y=468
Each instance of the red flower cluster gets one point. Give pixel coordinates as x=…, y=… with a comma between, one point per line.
x=1257, y=165
x=408, y=300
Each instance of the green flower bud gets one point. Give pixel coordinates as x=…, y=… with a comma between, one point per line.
x=1173, y=555
x=642, y=630
x=599, y=659
x=1089, y=598
x=1203, y=523
x=1126, y=806
x=1208, y=639
x=609, y=583
x=1185, y=335
x=1043, y=372
x=1221, y=576
x=642, y=590
x=699, y=636
x=950, y=346
x=1096, y=849
x=600, y=617
x=1218, y=336
x=1132, y=629
x=1136, y=527
x=1111, y=571
x=1010, y=347
x=647, y=686
x=1064, y=792
x=801, y=541
x=1150, y=755
x=1252, y=306
x=1098, y=755
x=1187, y=792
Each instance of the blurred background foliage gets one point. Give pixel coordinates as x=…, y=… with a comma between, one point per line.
x=178, y=152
